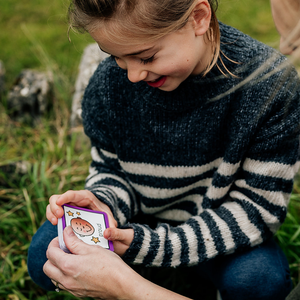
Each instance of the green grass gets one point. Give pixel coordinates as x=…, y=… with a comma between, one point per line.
x=288, y=236
x=250, y=17
x=27, y=26
x=59, y=162
x=34, y=35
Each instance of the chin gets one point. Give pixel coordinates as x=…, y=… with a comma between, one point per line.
x=166, y=89
x=170, y=87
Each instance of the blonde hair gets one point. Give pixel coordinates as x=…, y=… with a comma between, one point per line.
x=141, y=20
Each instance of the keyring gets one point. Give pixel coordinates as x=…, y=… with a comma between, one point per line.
x=57, y=288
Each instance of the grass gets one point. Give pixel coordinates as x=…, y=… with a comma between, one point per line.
x=35, y=36
x=288, y=236
x=59, y=162
x=252, y=18
x=28, y=26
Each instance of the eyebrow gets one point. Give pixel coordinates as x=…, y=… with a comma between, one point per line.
x=139, y=52
x=132, y=54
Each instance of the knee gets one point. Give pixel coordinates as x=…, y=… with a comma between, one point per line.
x=39, y=244
x=256, y=284
x=37, y=255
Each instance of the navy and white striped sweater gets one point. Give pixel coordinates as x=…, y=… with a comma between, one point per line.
x=214, y=169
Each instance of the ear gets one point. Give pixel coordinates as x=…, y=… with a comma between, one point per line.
x=201, y=16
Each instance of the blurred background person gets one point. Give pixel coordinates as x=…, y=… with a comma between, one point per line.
x=286, y=15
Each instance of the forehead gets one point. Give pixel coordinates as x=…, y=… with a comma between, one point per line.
x=112, y=36
x=126, y=42
x=125, y=31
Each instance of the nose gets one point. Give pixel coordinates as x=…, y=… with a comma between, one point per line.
x=136, y=72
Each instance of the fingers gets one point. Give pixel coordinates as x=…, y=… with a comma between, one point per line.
x=83, y=198
x=52, y=271
x=51, y=267
x=50, y=216
x=54, y=254
x=74, y=244
x=78, y=198
x=78, y=274
x=111, y=220
x=57, y=256
x=59, y=278
x=54, y=243
x=121, y=238
x=60, y=263
x=122, y=235
x=58, y=285
x=54, y=211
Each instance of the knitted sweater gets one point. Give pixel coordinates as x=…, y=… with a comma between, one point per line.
x=212, y=162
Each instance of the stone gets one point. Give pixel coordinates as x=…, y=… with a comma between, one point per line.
x=31, y=96
x=12, y=172
x=90, y=60
x=294, y=294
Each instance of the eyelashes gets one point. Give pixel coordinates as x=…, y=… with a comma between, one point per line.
x=143, y=61
x=148, y=60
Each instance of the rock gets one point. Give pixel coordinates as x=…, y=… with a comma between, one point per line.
x=12, y=172
x=31, y=96
x=294, y=294
x=90, y=60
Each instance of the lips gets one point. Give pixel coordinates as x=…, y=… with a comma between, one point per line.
x=158, y=82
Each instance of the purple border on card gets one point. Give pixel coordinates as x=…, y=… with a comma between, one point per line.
x=111, y=247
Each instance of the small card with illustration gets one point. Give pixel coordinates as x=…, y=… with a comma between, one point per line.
x=87, y=224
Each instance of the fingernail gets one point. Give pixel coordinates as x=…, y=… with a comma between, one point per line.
x=57, y=212
x=52, y=220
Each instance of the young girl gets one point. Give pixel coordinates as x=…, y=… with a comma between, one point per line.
x=195, y=137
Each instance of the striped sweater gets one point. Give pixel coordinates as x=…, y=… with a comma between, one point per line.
x=208, y=167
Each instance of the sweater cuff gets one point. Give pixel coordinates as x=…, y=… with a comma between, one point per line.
x=138, y=248
x=104, y=198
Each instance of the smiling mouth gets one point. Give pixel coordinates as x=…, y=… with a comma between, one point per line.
x=158, y=82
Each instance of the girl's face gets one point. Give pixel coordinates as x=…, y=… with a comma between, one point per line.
x=164, y=63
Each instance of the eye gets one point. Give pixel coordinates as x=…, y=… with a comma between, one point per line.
x=148, y=60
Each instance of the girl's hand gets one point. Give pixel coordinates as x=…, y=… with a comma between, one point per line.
x=81, y=198
x=121, y=238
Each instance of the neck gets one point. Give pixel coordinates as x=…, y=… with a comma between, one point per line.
x=206, y=58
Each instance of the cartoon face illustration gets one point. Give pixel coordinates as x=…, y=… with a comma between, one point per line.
x=82, y=227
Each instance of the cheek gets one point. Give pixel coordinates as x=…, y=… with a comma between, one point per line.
x=183, y=67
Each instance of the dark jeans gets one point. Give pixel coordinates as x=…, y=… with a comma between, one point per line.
x=259, y=273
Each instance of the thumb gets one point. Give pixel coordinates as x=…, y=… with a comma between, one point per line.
x=73, y=243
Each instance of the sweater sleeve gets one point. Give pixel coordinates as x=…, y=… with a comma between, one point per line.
x=106, y=180
x=246, y=201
